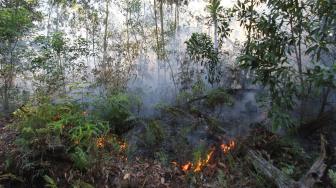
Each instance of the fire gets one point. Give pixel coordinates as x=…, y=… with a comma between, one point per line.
x=209, y=156
x=100, y=142
x=202, y=163
x=228, y=147
x=199, y=165
x=186, y=167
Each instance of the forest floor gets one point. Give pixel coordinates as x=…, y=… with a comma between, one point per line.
x=293, y=156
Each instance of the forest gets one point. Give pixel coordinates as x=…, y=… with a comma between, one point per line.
x=168, y=93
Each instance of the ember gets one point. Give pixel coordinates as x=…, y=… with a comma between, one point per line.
x=100, y=142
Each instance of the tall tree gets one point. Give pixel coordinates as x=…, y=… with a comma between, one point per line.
x=214, y=7
x=156, y=29
x=162, y=30
x=16, y=19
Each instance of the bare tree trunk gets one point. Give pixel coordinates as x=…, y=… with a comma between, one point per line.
x=156, y=31
x=177, y=16
x=162, y=29
x=250, y=28
x=215, y=33
x=105, y=33
x=128, y=12
x=6, y=98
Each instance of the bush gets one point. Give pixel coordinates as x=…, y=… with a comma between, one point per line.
x=154, y=134
x=219, y=97
x=332, y=176
x=58, y=131
x=116, y=109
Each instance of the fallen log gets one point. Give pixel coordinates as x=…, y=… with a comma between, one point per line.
x=312, y=177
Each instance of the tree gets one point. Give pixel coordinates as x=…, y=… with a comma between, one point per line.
x=200, y=49
x=16, y=19
x=54, y=60
x=214, y=8
x=276, y=41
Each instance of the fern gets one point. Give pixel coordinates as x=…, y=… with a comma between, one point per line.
x=49, y=182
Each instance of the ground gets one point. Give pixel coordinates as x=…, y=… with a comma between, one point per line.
x=222, y=170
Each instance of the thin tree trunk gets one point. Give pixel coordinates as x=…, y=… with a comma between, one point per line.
x=128, y=12
x=215, y=34
x=6, y=98
x=156, y=31
x=176, y=16
x=249, y=28
x=162, y=29
x=105, y=32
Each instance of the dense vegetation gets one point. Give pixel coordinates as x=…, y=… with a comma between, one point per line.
x=131, y=93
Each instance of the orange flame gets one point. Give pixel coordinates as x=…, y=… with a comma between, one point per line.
x=186, y=167
x=200, y=164
x=228, y=147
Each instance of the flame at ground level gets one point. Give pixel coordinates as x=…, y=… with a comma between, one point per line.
x=228, y=147
x=201, y=164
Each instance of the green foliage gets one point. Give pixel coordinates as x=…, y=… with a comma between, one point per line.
x=53, y=58
x=323, y=76
x=332, y=176
x=280, y=118
x=221, y=16
x=80, y=158
x=14, y=22
x=200, y=48
x=62, y=130
x=218, y=97
x=182, y=97
x=288, y=170
x=154, y=134
x=198, y=88
x=222, y=179
x=162, y=157
x=116, y=109
x=268, y=51
x=49, y=182
x=81, y=184
x=199, y=152
x=16, y=19
x=276, y=43
x=214, y=7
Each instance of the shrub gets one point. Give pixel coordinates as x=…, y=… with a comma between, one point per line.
x=332, y=176
x=154, y=134
x=217, y=97
x=58, y=131
x=116, y=109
